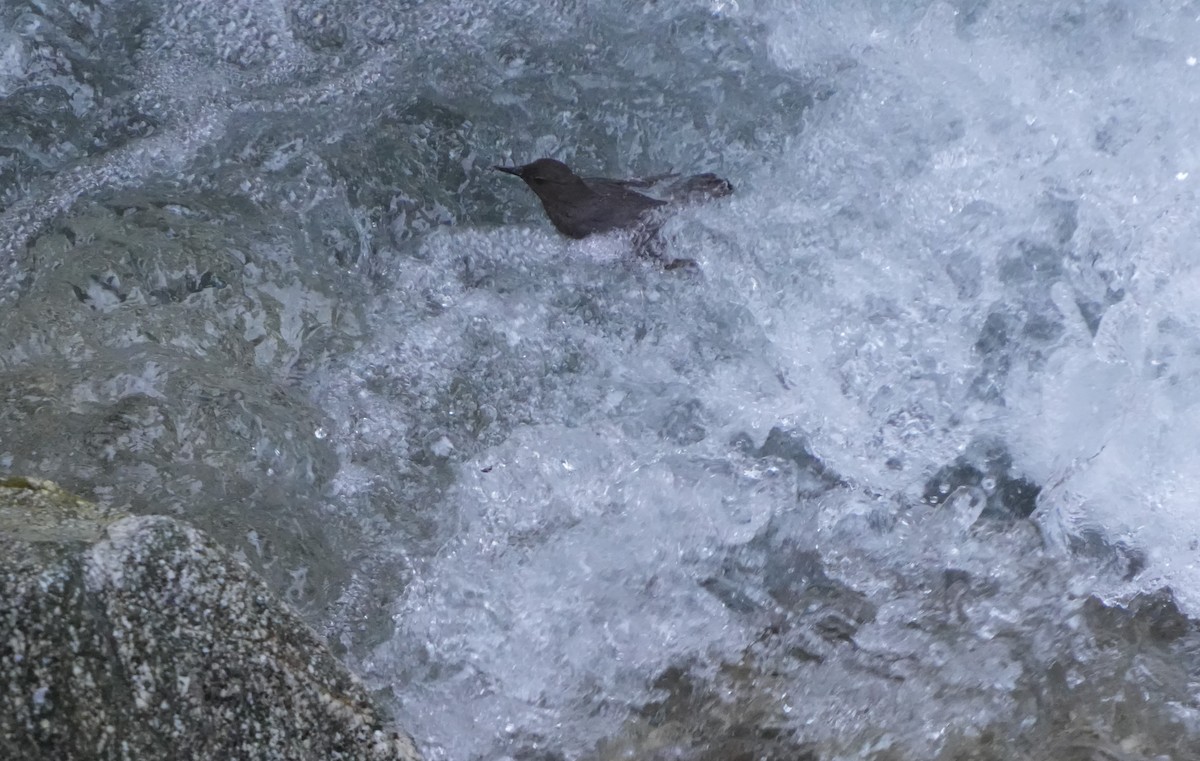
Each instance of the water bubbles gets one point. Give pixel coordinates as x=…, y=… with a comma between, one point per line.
x=443, y=447
x=965, y=505
x=550, y=429
x=721, y=8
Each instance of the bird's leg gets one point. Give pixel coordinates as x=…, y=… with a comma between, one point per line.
x=648, y=243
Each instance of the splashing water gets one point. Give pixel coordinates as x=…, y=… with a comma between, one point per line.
x=905, y=472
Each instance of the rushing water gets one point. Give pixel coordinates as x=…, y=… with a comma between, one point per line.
x=908, y=471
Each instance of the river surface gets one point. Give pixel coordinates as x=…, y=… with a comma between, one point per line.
x=907, y=470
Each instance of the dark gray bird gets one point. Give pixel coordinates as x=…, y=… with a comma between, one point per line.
x=583, y=206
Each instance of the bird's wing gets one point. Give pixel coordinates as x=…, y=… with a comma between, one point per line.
x=633, y=182
x=679, y=189
x=612, y=206
x=620, y=191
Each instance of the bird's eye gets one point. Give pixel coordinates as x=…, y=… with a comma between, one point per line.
x=538, y=179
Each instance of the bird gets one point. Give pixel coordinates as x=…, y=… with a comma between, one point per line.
x=582, y=206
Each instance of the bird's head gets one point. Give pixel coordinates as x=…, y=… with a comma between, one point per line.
x=544, y=176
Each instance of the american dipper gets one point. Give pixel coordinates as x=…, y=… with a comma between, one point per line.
x=583, y=206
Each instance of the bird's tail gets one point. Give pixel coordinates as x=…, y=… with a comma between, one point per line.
x=701, y=187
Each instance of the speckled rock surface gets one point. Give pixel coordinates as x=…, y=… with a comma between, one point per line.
x=138, y=638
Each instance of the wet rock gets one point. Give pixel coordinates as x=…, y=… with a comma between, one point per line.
x=1152, y=617
x=1046, y=676
x=784, y=587
x=139, y=638
x=1109, y=555
x=813, y=476
x=684, y=423
x=965, y=269
x=1031, y=262
x=1012, y=334
x=994, y=349
x=669, y=729
x=986, y=471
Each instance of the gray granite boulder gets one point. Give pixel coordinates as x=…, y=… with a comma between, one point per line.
x=139, y=638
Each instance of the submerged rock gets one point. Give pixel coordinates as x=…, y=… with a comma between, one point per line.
x=139, y=638
x=986, y=471
x=813, y=476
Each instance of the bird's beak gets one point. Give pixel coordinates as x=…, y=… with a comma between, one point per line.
x=516, y=170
